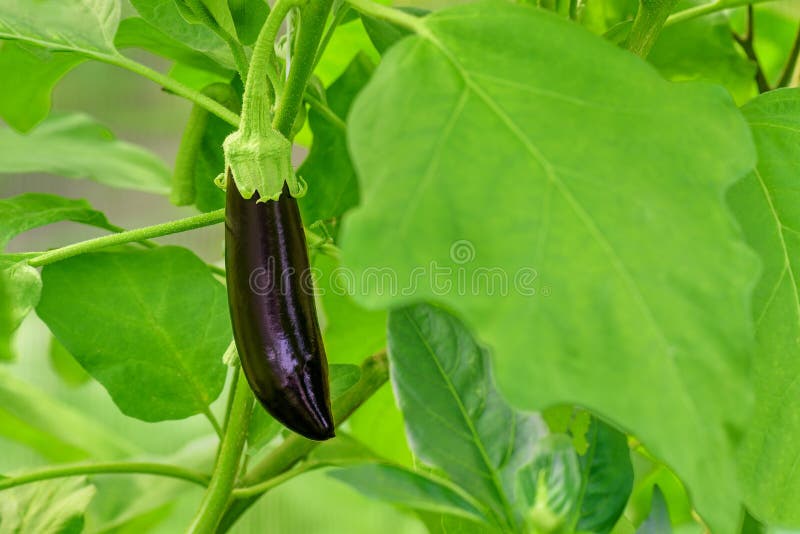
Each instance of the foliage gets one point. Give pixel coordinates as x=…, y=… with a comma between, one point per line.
x=594, y=202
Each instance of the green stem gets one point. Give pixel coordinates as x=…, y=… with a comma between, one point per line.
x=226, y=469
x=647, y=25
x=258, y=91
x=107, y=468
x=173, y=85
x=313, y=16
x=139, y=234
x=706, y=9
x=323, y=44
x=326, y=112
x=374, y=374
x=379, y=11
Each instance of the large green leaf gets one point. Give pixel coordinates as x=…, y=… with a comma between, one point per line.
x=29, y=76
x=332, y=185
x=766, y=203
x=49, y=507
x=75, y=146
x=87, y=26
x=455, y=420
x=31, y=210
x=150, y=325
x=570, y=170
x=401, y=486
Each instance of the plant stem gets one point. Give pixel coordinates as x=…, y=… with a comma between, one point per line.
x=388, y=14
x=374, y=374
x=746, y=42
x=229, y=459
x=705, y=9
x=313, y=16
x=337, y=19
x=173, y=85
x=326, y=112
x=792, y=63
x=647, y=25
x=107, y=468
x=139, y=234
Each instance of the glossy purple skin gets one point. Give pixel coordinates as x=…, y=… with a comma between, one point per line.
x=273, y=313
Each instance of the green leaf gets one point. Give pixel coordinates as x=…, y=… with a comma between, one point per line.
x=455, y=420
x=347, y=42
x=55, y=430
x=135, y=32
x=248, y=16
x=210, y=163
x=606, y=479
x=384, y=34
x=332, y=185
x=29, y=76
x=65, y=366
x=74, y=146
x=766, y=203
x=379, y=424
x=401, y=486
x=20, y=287
x=86, y=26
x=49, y=507
x=165, y=16
x=703, y=49
x=583, y=188
x=149, y=325
x=31, y=210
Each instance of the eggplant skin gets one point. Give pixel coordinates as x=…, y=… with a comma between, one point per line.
x=273, y=313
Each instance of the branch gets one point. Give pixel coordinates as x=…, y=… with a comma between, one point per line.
x=229, y=459
x=705, y=9
x=108, y=468
x=650, y=19
x=374, y=373
x=746, y=42
x=140, y=234
x=381, y=12
x=792, y=63
x=325, y=112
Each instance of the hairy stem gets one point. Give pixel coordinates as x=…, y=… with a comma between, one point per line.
x=173, y=85
x=105, y=468
x=647, y=25
x=313, y=16
x=229, y=459
x=374, y=374
x=139, y=234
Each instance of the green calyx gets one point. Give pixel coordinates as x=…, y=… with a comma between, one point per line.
x=262, y=162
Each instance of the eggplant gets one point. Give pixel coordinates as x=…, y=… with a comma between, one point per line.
x=273, y=313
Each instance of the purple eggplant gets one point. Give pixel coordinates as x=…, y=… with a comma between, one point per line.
x=273, y=312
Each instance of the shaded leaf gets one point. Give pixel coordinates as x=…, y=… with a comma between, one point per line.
x=766, y=203
x=455, y=420
x=626, y=277
x=332, y=185
x=29, y=76
x=48, y=507
x=149, y=325
x=65, y=366
x=384, y=34
x=31, y=210
x=658, y=520
x=74, y=146
x=249, y=16
x=404, y=487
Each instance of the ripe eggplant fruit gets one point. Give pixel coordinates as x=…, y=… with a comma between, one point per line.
x=273, y=313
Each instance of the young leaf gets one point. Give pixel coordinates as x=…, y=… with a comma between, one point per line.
x=149, y=325
x=625, y=277
x=29, y=75
x=332, y=185
x=51, y=506
x=248, y=16
x=85, y=26
x=20, y=287
x=74, y=146
x=32, y=210
x=455, y=420
x=397, y=485
x=766, y=203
